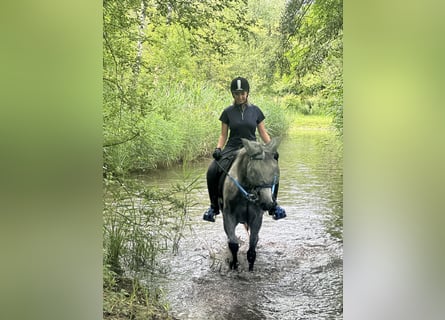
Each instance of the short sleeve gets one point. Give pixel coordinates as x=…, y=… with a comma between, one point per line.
x=260, y=117
x=224, y=117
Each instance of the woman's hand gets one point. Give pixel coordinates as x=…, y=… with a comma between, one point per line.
x=217, y=154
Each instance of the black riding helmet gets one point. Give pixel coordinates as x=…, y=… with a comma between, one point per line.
x=239, y=84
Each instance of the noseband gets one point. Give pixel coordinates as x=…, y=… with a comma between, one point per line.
x=256, y=189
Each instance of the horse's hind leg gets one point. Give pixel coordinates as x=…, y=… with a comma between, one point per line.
x=234, y=249
x=229, y=227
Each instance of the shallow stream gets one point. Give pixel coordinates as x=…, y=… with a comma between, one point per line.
x=299, y=267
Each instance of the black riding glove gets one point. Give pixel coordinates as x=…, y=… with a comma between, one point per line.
x=217, y=154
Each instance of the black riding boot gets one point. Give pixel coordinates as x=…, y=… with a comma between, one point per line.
x=212, y=187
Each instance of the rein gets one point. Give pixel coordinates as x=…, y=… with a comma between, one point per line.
x=249, y=196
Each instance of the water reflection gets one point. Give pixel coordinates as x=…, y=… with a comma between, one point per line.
x=299, y=266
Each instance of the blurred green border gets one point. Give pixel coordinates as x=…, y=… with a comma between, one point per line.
x=51, y=142
x=394, y=159
x=51, y=139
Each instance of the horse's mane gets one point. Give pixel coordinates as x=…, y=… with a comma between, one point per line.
x=239, y=164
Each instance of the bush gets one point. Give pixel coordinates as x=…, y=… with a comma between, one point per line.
x=296, y=104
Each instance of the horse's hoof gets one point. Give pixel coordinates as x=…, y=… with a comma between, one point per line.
x=233, y=266
x=250, y=267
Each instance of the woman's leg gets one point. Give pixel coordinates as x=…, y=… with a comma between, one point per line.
x=212, y=184
x=212, y=187
x=277, y=212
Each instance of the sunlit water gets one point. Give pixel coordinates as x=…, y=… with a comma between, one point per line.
x=299, y=267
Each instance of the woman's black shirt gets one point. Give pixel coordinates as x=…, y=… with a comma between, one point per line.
x=242, y=124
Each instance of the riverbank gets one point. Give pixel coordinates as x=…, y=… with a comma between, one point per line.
x=125, y=298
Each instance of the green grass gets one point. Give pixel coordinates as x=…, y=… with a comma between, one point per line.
x=125, y=298
x=311, y=123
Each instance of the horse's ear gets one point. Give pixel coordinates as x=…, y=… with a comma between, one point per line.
x=252, y=147
x=273, y=144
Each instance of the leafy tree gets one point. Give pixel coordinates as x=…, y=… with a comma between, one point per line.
x=310, y=59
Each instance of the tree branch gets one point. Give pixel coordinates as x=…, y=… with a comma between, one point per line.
x=137, y=134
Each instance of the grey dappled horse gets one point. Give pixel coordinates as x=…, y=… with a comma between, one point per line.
x=247, y=193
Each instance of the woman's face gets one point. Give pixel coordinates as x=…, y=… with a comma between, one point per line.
x=240, y=97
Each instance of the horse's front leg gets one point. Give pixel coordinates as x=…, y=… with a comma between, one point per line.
x=253, y=240
x=229, y=227
x=234, y=249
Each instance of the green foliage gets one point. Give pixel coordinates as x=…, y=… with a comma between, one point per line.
x=306, y=105
x=277, y=120
x=183, y=126
x=311, y=55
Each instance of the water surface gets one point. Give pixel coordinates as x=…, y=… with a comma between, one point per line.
x=299, y=266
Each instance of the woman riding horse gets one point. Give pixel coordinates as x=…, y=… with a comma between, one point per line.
x=242, y=118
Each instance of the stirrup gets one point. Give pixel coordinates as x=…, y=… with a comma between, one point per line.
x=278, y=213
x=210, y=214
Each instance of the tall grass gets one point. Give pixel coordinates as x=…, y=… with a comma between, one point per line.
x=179, y=126
x=277, y=117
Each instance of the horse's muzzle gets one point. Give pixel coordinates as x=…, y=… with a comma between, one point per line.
x=267, y=206
x=265, y=199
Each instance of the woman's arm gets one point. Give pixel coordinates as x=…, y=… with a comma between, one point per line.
x=223, y=136
x=263, y=132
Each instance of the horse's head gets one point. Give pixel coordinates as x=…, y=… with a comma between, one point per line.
x=262, y=170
